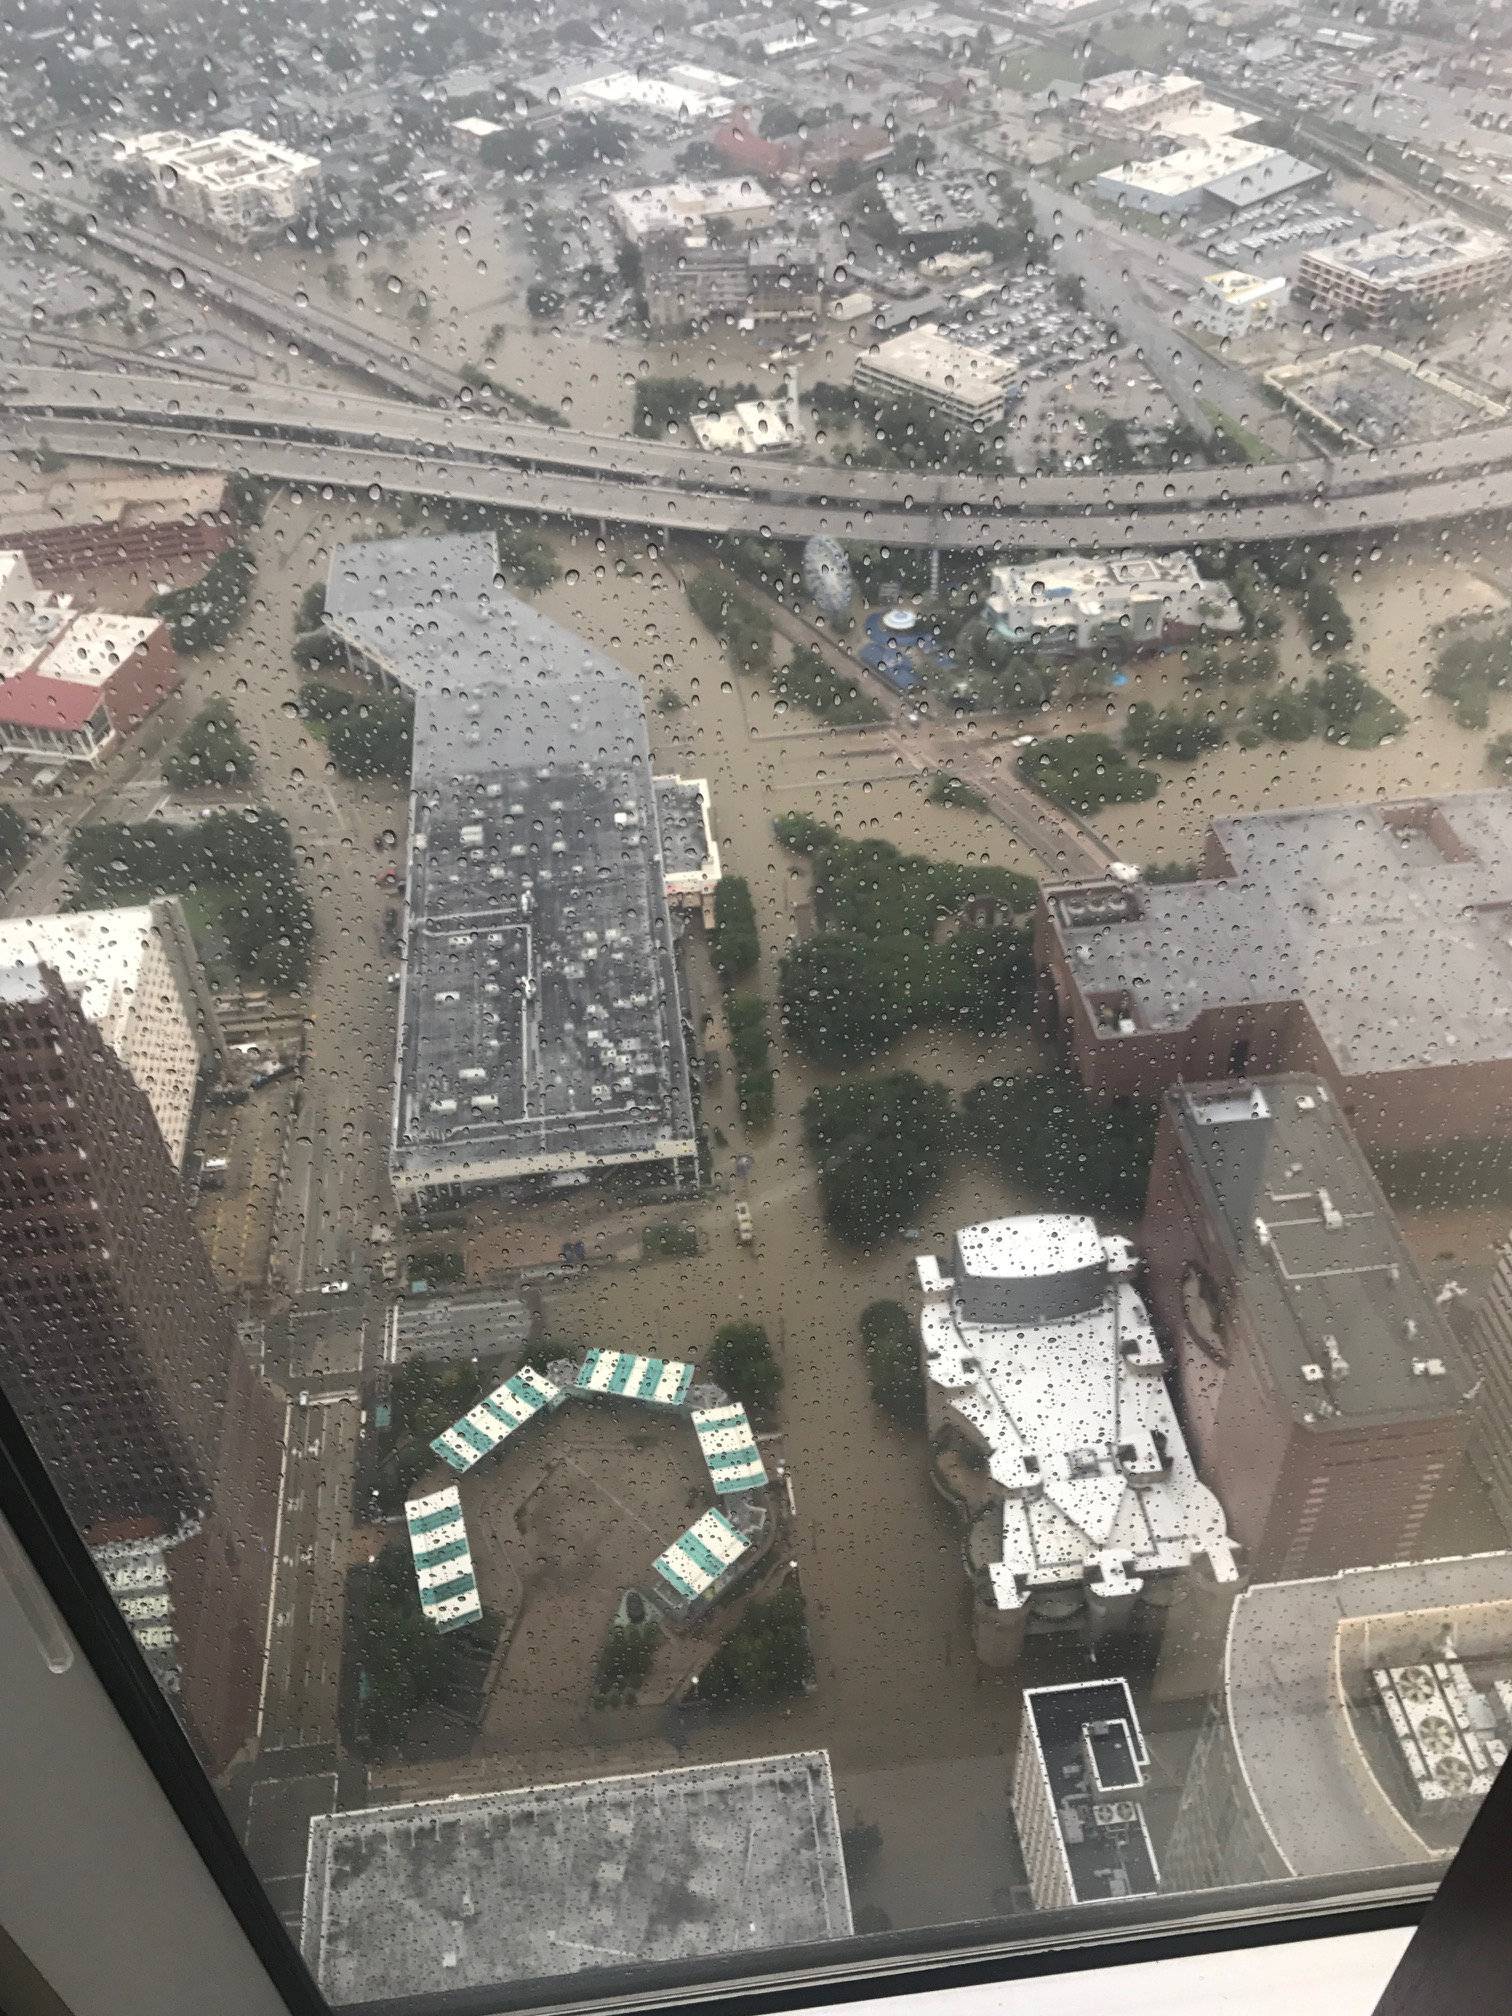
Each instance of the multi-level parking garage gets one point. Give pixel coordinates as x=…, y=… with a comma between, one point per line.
x=352, y=441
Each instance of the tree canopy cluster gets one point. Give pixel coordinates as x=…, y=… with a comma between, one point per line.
x=874, y=971
x=210, y=752
x=751, y=1044
x=809, y=681
x=268, y=922
x=1469, y=670
x=366, y=734
x=203, y=615
x=1085, y=772
x=15, y=839
x=1041, y=1131
x=766, y=1657
x=741, y=1359
x=742, y=628
x=881, y=1146
x=736, y=944
x=890, y=1346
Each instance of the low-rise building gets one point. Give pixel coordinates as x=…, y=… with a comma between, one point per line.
x=1278, y=957
x=73, y=523
x=540, y=1030
x=1053, y=1434
x=1136, y=101
x=73, y=682
x=690, y=853
x=673, y=209
x=1362, y=1718
x=1413, y=267
x=235, y=184
x=952, y=377
x=1078, y=1775
x=136, y=977
x=461, y=1896
x=1222, y=175
x=699, y=276
x=1238, y=305
x=935, y=213
x=1325, y=1395
x=1080, y=603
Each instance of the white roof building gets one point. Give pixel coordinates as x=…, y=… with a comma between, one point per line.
x=1076, y=602
x=1042, y=1371
x=666, y=209
x=234, y=183
x=963, y=382
x=131, y=972
x=1229, y=172
x=1238, y=304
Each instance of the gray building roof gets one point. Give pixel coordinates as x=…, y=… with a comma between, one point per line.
x=1297, y=1681
x=1093, y=1755
x=510, y=1887
x=1389, y=922
x=1350, y=1331
x=540, y=1029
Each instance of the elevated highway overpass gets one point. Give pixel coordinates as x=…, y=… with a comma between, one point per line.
x=355, y=441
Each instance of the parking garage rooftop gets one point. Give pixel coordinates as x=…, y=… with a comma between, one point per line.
x=540, y=1029
x=505, y=1887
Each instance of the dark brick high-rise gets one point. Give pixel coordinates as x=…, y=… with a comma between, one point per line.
x=118, y=1350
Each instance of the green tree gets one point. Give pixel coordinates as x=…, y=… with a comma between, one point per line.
x=408, y=1665
x=372, y=739
x=203, y=616
x=312, y=607
x=15, y=839
x=881, y=1146
x=891, y=1349
x=766, y=1658
x=744, y=630
x=1498, y=761
x=741, y=1360
x=736, y=943
x=625, y=1660
x=1086, y=772
x=1042, y=1132
x=1170, y=733
x=210, y=751
x=808, y=681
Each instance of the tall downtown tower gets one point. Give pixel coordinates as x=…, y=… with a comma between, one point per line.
x=120, y=1355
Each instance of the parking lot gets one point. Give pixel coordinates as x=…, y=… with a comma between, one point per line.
x=1286, y=230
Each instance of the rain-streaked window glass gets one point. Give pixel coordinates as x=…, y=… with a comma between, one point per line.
x=756, y=975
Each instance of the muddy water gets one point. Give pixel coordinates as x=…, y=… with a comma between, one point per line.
x=473, y=267
x=1395, y=605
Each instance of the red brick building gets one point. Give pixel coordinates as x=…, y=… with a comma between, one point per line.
x=80, y=525
x=73, y=682
x=1365, y=944
x=1325, y=1397
x=120, y=1355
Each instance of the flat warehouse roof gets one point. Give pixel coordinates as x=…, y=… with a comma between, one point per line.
x=540, y=1028
x=491, y=1891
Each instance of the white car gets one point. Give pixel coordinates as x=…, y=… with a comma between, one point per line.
x=1124, y=871
x=335, y=1287
x=1025, y=741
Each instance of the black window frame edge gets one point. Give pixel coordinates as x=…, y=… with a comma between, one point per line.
x=31, y=1505
x=887, y=1964
x=873, y=1965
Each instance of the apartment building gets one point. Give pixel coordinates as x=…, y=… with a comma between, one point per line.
x=236, y=184
x=1414, y=267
